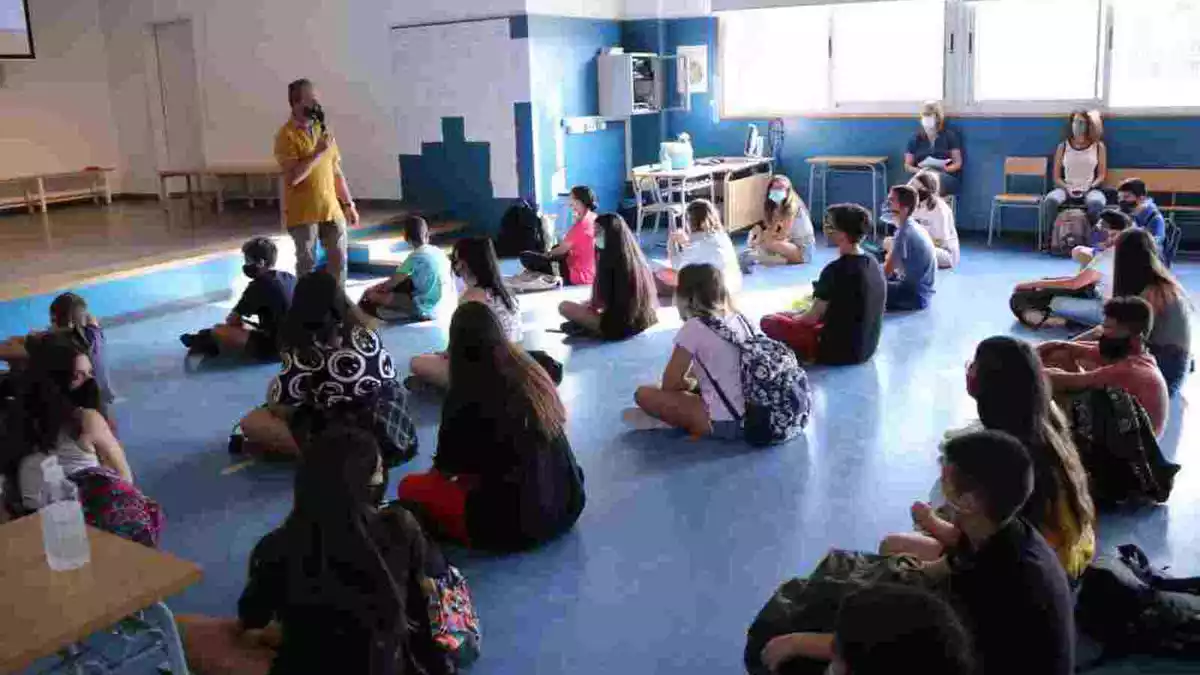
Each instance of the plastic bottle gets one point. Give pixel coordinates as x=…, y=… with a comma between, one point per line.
x=63, y=532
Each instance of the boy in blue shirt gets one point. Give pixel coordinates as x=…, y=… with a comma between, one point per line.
x=911, y=263
x=1140, y=206
x=422, y=288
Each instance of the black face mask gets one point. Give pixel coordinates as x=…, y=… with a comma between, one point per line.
x=251, y=270
x=376, y=493
x=316, y=113
x=86, y=395
x=1128, y=207
x=1114, y=348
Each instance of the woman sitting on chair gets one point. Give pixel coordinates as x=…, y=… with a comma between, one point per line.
x=623, y=303
x=935, y=148
x=1080, y=167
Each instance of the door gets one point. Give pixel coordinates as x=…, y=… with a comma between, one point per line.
x=180, y=140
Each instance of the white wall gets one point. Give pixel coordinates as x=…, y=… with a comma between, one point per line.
x=55, y=110
x=591, y=9
x=667, y=9
x=407, y=12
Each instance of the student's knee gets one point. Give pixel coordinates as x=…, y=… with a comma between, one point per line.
x=1082, y=254
x=646, y=397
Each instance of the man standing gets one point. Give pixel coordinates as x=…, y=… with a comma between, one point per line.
x=316, y=199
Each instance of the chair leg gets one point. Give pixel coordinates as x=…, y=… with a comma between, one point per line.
x=991, y=223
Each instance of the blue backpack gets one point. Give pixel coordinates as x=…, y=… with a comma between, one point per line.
x=774, y=386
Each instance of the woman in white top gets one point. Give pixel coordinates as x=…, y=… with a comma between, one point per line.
x=705, y=241
x=786, y=236
x=474, y=261
x=1080, y=167
x=688, y=397
x=938, y=218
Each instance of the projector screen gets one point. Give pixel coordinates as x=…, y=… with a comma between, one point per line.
x=16, y=40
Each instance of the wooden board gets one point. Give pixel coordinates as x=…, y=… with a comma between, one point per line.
x=1158, y=180
x=47, y=610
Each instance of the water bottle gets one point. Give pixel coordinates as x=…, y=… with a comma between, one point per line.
x=63, y=532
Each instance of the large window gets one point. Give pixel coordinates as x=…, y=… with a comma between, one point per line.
x=985, y=56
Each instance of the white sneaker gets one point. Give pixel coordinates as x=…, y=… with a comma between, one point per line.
x=640, y=420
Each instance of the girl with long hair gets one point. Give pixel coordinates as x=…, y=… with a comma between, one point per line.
x=1080, y=167
x=704, y=242
x=1012, y=395
x=504, y=476
x=623, y=302
x=336, y=588
x=786, y=235
x=474, y=261
x=938, y=218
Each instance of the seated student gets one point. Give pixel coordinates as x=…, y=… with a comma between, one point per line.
x=1136, y=203
x=1079, y=298
x=1003, y=578
x=705, y=241
x=1012, y=395
x=474, y=261
x=1080, y=167
x=786, y=235
x=268, y=298
x=331, y=353
x=702, y=361
x=935, y=148
x=422, y=288
x=1118, y=358
x=843, y=323
x=623, y=303
x=937, y=217
x=575, y=255
x=338, y=587
x=69, y=316
x=911, y=264
x=504, y=476
x=886, y=629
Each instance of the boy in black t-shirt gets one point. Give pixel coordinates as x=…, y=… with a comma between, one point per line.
x=843, y=323
x=268, y=298
x=1005, y=581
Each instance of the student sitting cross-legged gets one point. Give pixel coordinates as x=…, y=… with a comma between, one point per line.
x=573, y=260
x=1137, y=203
x=1003, y=578
x=422, y=288
x=786, y=235
x=938, y=218
x=702, y=360
x=623, y=303
x=911, y=262
x=1118, y=358
x=705, y=241
x=843, y=323
x=504, y=476
x=267, y=299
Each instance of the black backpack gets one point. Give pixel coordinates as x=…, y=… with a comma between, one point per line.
x=1130, y=607
x=521, y=230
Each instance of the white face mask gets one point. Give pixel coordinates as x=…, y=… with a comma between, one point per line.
x=929, y=122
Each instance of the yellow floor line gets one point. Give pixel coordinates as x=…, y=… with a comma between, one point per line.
x=238, y=467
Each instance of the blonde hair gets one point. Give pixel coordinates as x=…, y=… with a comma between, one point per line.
x=701, y=292
x=935, y=108
x=702, y=216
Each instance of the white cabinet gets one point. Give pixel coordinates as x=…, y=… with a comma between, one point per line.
x=640, y=84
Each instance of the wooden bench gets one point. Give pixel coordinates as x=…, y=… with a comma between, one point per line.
x=35, y=195
x=269, y=172
x=1169, y=182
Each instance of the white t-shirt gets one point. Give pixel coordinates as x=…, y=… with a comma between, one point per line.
x=1103, y=263
x=1079, y=166
x=721, y=358
x=716, y=249
x=939, y=222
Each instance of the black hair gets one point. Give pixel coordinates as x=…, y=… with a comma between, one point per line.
x=1131, y=312
x=261, y=250
x=850, y=219
x=928, y=187
x=584, y=195
x=45, y=405
x=479, y=255
x=889, y=628
x=1113, y=219
x=1137, y=266
x=907, y=197
x=320, y=310
x=416, y=231
x=69, y=310
x=624, y=285
x=1134, y=186
x=295, y=87
x=995, y=467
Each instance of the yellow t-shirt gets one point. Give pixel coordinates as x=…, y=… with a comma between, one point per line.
x=314, y=200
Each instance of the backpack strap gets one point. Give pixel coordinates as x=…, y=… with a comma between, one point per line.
x=717, y=386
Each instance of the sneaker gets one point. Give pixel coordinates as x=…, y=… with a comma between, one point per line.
x=187, y=339
x=573, y=329
x=640, y=420
x=237, y=444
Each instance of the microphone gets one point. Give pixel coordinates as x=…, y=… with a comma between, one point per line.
x=317, y=114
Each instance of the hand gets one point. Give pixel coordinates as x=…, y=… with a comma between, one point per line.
x=1076, y=193
x=233, y=319
x=778, y=650
x=922, y=515
x=678, y=237
x=351, y=212
x=323, y=143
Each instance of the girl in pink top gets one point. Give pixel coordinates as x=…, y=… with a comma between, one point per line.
x=576, y=253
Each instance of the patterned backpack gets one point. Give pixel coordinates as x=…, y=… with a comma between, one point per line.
x=775, y=387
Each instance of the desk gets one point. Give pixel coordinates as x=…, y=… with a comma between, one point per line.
x=247, y=171
x=847, y=164
x=739, y=184
x=35, y=193
x=50, y=610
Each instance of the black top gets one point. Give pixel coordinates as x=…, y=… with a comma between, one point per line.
x=328, y=639
x=1014, y=596
x=268, y=297
x=855, y=289
x=920, y=147
x=529, y=490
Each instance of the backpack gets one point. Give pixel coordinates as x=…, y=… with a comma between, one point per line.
x=774, y=386
x=1118, y=448
x=1071, y=229
x=521, y=230
x=1032, y=308
x=1133, y=608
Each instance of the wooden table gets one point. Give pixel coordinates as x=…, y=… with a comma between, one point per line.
x=34, y=187
x=742, y=182
x=848, y=164
x=248, y=171
x=48, y=610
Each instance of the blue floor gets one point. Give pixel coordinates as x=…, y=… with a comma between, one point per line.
x=682, y=541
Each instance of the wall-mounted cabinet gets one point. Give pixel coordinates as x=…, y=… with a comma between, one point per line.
x=640, y=84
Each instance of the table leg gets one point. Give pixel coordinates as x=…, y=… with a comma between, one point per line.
x=96, y=190
x=249, y=191
x=162, y=191
x=187, y=180
x=874, y=206
x=41, y=185
x=107, y=188
x=161, y=618
x=28, y=197
x=220, y=194
x=812, y=172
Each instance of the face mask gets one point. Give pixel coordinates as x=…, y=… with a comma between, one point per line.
x=777, y=196
x=251, y=271
x=1128, y=207
x=1079, y=128
x=599, y=241
x=1114, y=348
x=315, y=113
x=376, y=493
x=929, y=122
x=86, y=395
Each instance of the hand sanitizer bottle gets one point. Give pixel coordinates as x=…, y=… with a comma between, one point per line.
x=63, y=532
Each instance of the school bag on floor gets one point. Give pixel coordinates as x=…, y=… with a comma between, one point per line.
x=1130, y=608
x=521, y=230
x=1071, y=228
x=774, y=386
x=1032, y=308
